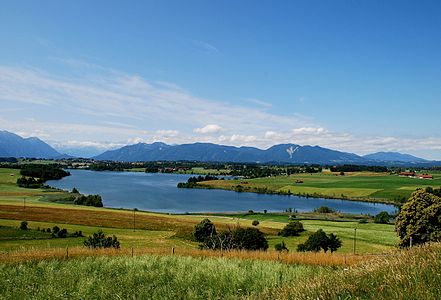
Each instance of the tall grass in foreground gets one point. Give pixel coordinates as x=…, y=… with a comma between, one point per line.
x=146, y=277
x=413, y=274
x=301, y=258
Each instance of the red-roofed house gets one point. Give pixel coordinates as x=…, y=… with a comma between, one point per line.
x=408, y=174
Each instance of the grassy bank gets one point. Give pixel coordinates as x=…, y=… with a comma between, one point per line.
x=146, y=277
x=413, y=274
x=410, y=274
x=361, y=186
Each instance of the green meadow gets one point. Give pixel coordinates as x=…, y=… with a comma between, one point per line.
x=364, y=186
x=154, y=229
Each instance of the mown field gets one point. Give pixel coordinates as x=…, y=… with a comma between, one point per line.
x=382, y=187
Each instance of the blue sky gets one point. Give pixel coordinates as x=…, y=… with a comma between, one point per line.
x=359, y=76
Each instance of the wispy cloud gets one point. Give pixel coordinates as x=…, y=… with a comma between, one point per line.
x=258, y=102
x=93, y=104
x=205, y=46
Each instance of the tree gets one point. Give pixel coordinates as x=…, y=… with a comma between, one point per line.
x=324, y=210
x=292, y=229
x=55, y=229
x=99, y=240
x=334, y=242
x=255, y=223
x=89, y=200
x=382, y=218
x=24, y=225
x=319, y=240
x=238, y=238
x=281, y=247
x=419, y=219
x=75, y=191
x=204, y=230
x=248, y=239
x=62, y=233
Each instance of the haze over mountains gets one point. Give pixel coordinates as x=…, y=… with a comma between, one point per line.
x=12, y=145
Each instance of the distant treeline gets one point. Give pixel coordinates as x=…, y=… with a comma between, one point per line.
x=256, y=171
x=247, y=170
x=357, y=168
x=34, y=175
x=8, y=160
x=44, y=172
x=192, y=181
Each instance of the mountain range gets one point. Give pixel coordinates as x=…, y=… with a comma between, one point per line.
x=283, y=153
x=12, y=145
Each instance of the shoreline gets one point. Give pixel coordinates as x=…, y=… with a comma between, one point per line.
x=316, y=196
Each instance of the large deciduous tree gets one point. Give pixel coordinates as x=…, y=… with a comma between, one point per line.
x=419, y=219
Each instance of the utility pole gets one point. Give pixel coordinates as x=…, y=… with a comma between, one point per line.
x=355, y=239
x=134, y=222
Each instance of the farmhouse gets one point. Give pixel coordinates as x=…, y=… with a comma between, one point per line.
x=414, y=175
x=407, y=174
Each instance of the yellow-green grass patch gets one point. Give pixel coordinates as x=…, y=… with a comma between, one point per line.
x=334, y=192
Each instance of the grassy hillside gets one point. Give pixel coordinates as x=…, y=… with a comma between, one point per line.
x=406, y=275
x=355, y=185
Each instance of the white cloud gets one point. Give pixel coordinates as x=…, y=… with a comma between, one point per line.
x=309, y=130
x=96, y=104
x=210, y=128
x=243, y=139
x=167, y=133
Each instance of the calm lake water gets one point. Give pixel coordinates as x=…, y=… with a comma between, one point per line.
x=158, y=192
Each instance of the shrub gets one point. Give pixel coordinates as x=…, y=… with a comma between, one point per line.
x=419, y=219
x=382, y=218
x=24, y=225
x=292, y=229
x=319, y=240
x=281, y=247
x=55, y=229
x=78, y=233
x=62, y=233
x=99, y=240
x=362, y=221
x=324, y=210
x=204, y=230
x=89, y=200
x=255, y=223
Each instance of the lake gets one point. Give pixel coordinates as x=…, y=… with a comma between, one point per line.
x=158, y=192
